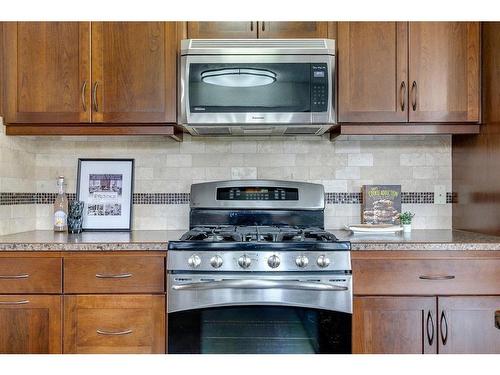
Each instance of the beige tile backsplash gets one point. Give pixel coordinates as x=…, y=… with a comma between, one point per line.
x=162, y=165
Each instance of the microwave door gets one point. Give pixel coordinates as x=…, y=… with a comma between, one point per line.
x=256, y=89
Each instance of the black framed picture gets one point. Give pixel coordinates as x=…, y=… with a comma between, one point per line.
x=106, y=187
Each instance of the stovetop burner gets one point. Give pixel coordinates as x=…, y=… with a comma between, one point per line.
x=230, y=233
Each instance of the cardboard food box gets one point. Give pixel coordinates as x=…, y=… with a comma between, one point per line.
x=381, y=204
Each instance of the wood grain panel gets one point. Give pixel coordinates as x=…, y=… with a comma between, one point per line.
x=30, y=275
x=444, y=63
x=475, y=160
x=222, y=30
x=99, y=275
x=372, y=71
x=468, y=324
x=134, y=68
x=403, y=276
x=2, y=56
x=394, y=325
x=46, y=67
x=140, y=319
x=278, y=30
x=30, y=324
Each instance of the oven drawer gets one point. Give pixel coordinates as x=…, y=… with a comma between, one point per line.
x=114, y=274
x=30, y=275
x=114, y=324
x=425, y=276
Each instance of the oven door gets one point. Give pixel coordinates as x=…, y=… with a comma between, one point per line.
x=259, y=314
x=257, y=89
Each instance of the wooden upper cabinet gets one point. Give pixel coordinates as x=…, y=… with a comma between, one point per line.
x=394, y=325
x=134, y=72
x=468, y=325
x=293, y=29
x=222, y=30
x=30, y=324
x=372, y=69
x=257, y=29
x=444, y=65
x=47, y=72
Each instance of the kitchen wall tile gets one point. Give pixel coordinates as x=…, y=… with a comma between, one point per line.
x=418, y=163
x=243, y=173
x=360, y=160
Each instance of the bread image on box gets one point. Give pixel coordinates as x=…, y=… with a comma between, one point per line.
x=381, y=204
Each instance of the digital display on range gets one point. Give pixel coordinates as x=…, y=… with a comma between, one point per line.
x=257, y=193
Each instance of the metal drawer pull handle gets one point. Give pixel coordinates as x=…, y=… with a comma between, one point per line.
x=111, y=276
x=22, y=276
x=430, y=323
x=497, y=319
x=23, y=302
x=259, y=284
x=443, y=323
x=111, y=333
x=436, y=277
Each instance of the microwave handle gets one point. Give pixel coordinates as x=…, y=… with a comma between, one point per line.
x=260, y=284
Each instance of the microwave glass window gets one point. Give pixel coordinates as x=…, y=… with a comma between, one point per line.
x=282, y=87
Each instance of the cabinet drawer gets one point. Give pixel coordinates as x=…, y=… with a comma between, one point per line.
x=114, y=274
x=108, y=324
x=30, y=275
x=425, y=276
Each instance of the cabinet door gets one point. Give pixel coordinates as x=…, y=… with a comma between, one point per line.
x=134, y=72
x=106, y=324
x=222, y=30
x=372, y=66
x=444, y=71
x=469, y=325
x=397, y=325
x=293, y=29
x=30, y=324
x=47, y=72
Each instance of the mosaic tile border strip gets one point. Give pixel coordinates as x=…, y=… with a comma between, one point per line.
x=7, y=199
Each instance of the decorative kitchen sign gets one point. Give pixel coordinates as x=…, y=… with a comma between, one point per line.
x=105, y=186
x=381, y=204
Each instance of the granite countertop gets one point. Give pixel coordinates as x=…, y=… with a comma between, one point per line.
x=157, y=240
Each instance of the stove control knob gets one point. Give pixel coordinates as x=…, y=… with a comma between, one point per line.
x=301, y=261
x=273, y=261
x=244, y=261
x=323, y=261
x=216, y=261
x=194, y=261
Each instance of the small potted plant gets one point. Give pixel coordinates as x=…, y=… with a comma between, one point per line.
x=405, y=219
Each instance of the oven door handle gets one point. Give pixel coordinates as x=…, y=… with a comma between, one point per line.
x=260, y=284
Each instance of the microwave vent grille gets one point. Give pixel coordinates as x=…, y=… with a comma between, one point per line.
x=212, y=131
x=258, y=46
x=298, y=130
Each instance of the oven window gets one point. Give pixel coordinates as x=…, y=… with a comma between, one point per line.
x=284, y=87
x=259, y=330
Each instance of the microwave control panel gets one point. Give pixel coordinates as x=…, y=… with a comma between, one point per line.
x=319, y=88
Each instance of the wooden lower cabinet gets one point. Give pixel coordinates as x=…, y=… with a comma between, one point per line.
x=469, y=325
x=30, y=324
x=111, y=324
x=394, y=325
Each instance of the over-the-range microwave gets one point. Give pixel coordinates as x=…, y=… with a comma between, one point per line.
x=257, y=86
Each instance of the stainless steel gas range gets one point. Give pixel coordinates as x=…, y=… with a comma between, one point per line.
x=257, y=273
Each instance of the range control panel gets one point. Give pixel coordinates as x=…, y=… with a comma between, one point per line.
x=257, y=193
x=319, y=87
